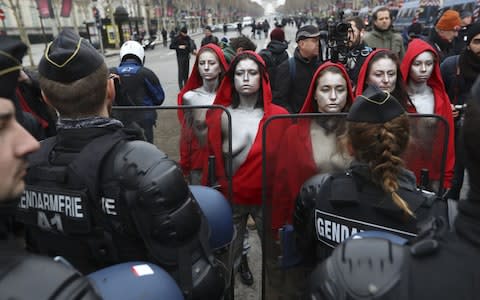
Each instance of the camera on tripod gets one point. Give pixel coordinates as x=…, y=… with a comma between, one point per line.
x=338, y=40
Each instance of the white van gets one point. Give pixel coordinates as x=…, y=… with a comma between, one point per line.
x=247, y=21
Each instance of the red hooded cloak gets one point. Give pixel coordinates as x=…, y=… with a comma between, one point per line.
x=192, y=156
x=247, y=180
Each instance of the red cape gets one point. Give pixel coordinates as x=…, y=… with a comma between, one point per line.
x=295, y=163
x=247, y=180
x=192, y=156
x=441, y=108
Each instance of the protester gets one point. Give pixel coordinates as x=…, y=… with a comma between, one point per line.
x=184, y=46
x=245, y=92
x=319, y=142
x=382, y=34
x=421, y=72
x=114, y=192
x=382, y=69
x=295, y=74
x=207, y=73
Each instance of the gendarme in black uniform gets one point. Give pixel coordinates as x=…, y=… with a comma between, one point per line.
x=22, y=275
x=332, y=208
x=438, y=264
x=348, y=203
x=98, y=196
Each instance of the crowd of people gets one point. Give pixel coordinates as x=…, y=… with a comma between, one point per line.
x=314, y=150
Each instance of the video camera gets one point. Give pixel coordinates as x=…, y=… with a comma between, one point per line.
x=338, y=39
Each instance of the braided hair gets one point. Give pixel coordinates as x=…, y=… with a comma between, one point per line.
x=380, y=146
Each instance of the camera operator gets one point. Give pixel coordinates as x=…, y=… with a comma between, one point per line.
x=358, y=50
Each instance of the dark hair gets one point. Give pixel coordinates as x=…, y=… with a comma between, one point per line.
x=242, y=42
x=83, y=97
x=334, y=70
x=359, y=23
x=380, y=146
x=400, y=92
x=231, y=72
x=383, y=8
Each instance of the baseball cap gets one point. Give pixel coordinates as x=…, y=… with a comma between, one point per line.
x=306, y=32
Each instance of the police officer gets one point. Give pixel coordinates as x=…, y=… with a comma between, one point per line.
x=375, y=193
x=442, y=264
x=22, y=275
x=96, y=195
x=141, y=85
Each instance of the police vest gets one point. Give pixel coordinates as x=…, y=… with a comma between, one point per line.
x=61, y=203
x=350, y=205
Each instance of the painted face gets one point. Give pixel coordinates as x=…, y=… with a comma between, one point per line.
x=422, y=67
x=209, y=65
x=247, y=77
x=15, y=144
x=383, y=74
x=383, y=20
x=474, y=45
x=331, y=93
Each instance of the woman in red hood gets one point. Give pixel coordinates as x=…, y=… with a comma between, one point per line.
x=311, y=145
x=421, y=71
x=200, y=89
x=382, y=69
x=245, y=92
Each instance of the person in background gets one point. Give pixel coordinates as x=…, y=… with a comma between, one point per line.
x=184, y=46
x=459, y=73
x=382, y=34
x=141, y=85
x=445, y=31
x=164, y=37
x=460, y=41
x=275, y=53
x=295, y=74
x=358, y=50
x=209, y=37
x=237, y=45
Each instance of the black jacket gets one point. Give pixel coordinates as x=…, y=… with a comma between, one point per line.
x=291, y=92
x=184, y=45
x=444, y=48
x=274, y=55
x=452, y=269
x=332, y=209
